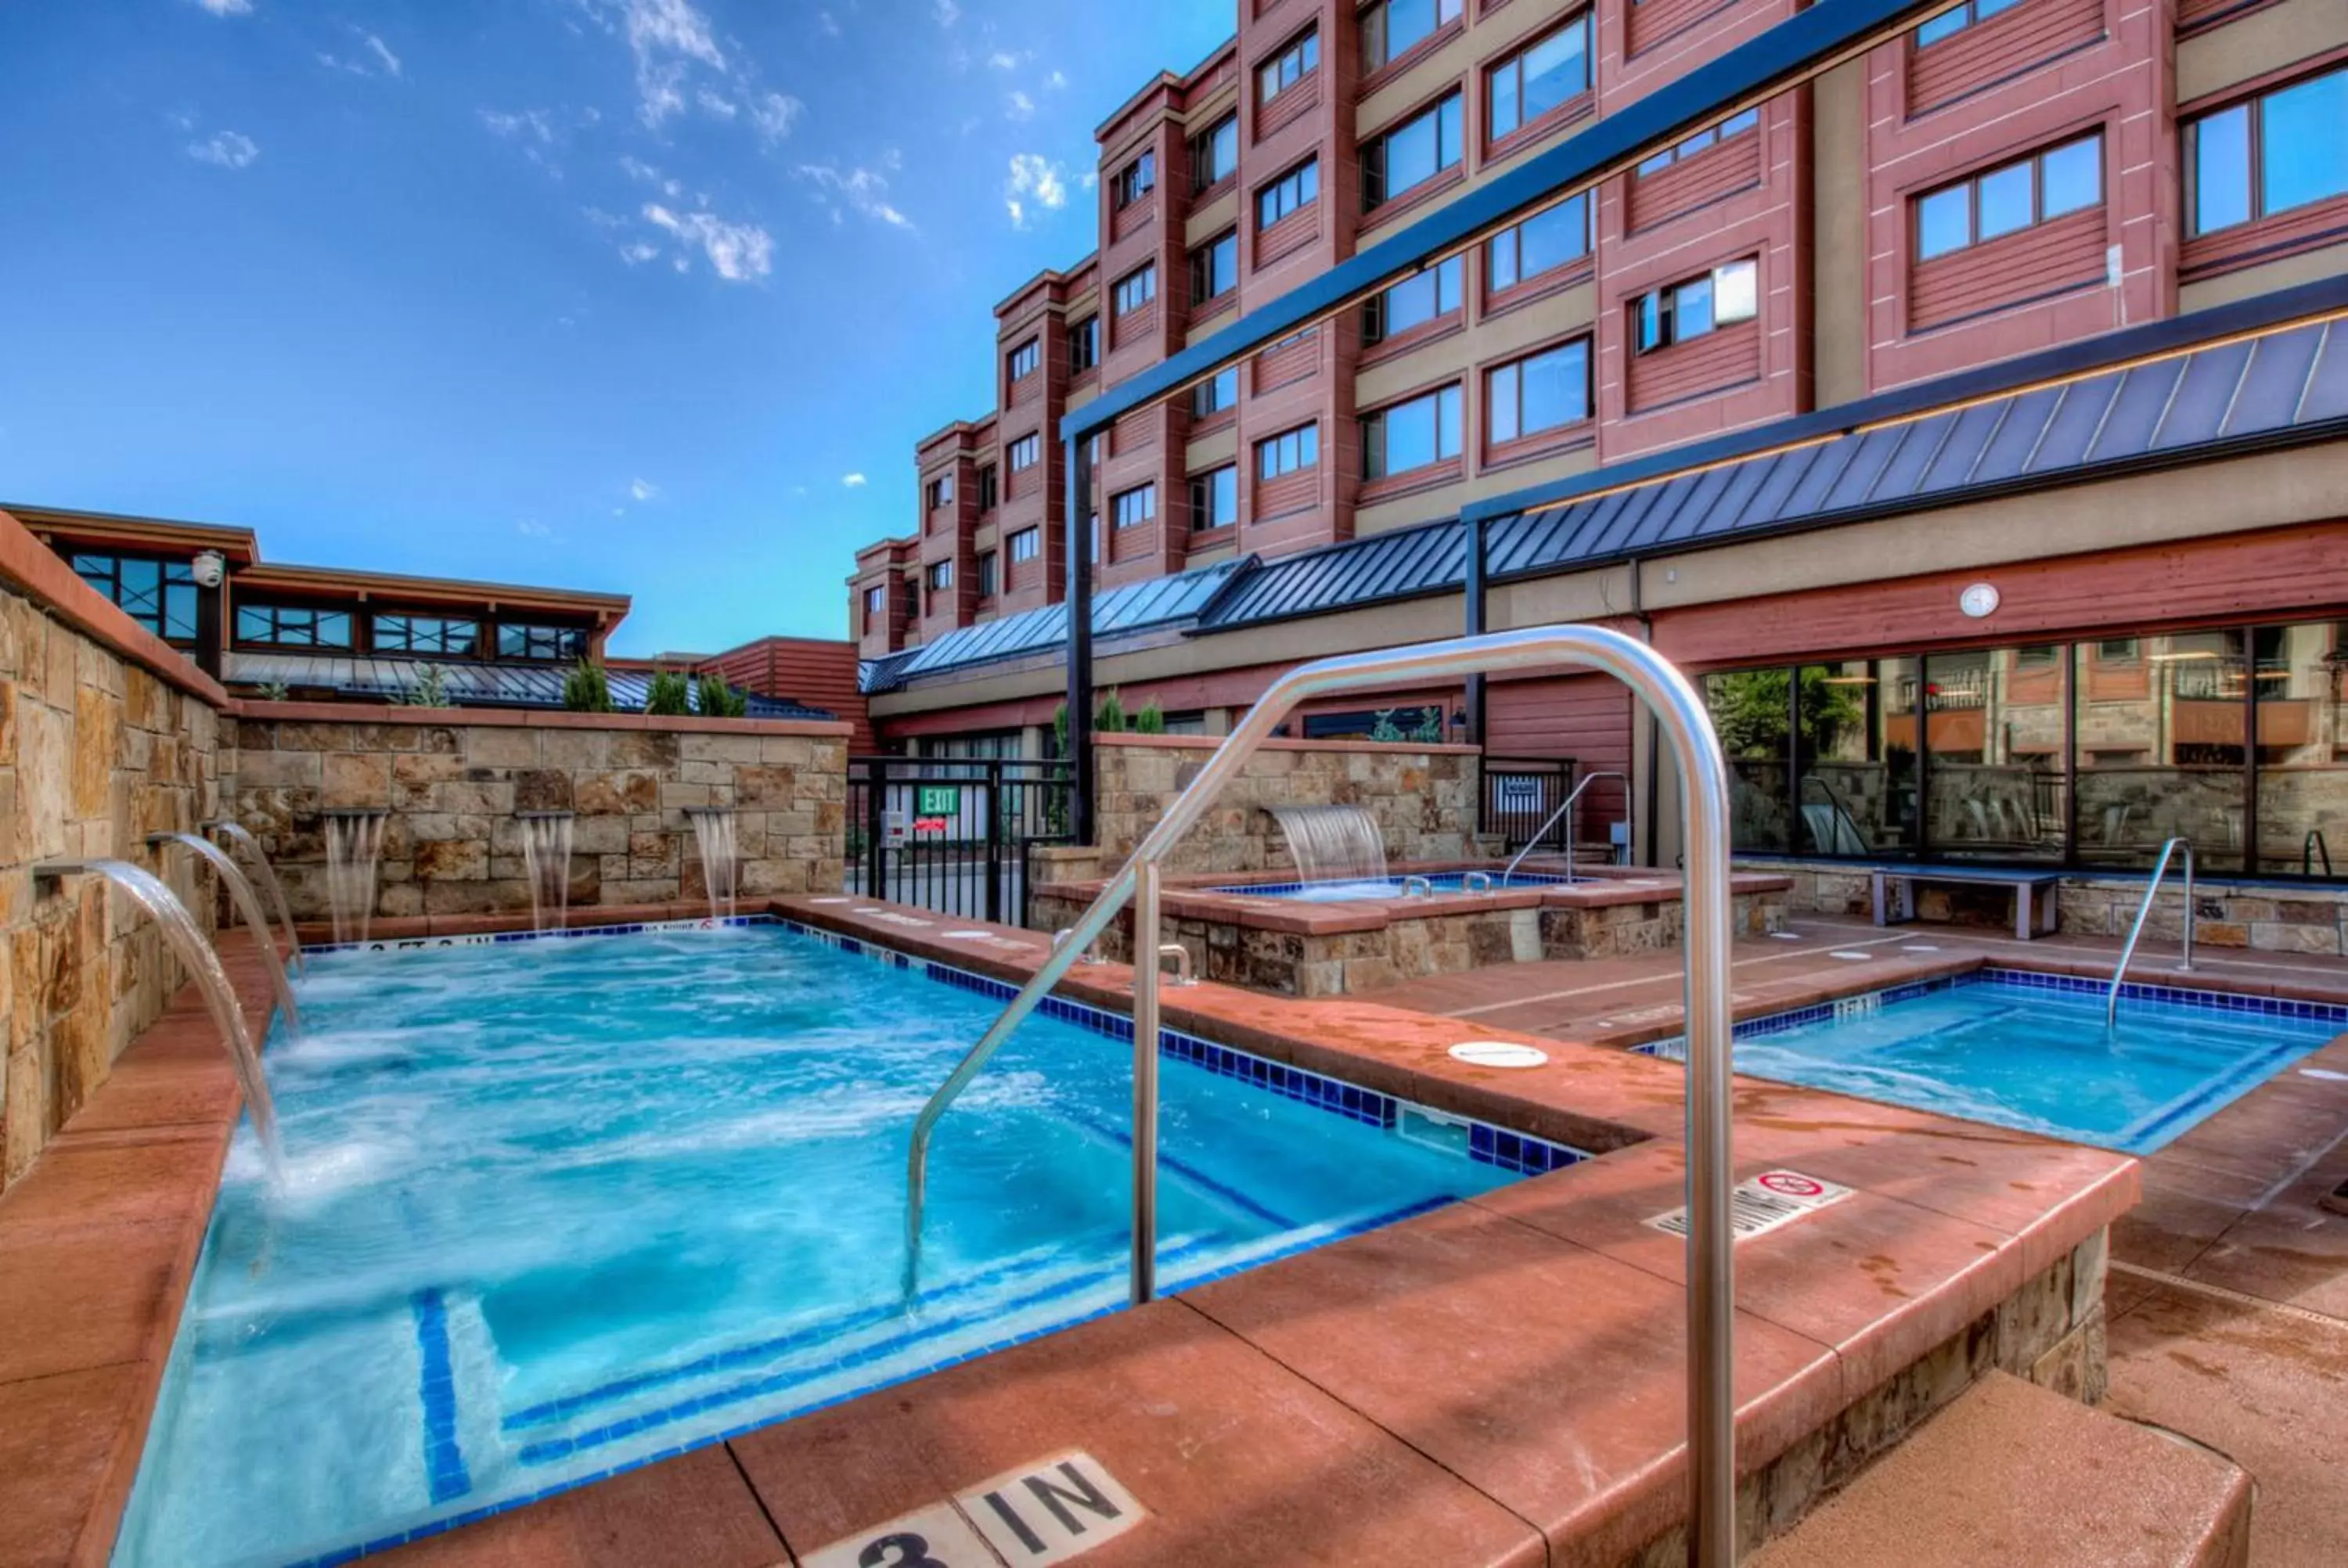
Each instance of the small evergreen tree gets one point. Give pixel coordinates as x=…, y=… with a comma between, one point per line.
x=717, y=700
x=670, y=694
x=587, y=690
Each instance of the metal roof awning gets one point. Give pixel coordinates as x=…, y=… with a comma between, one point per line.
x=1404, y=564
x=466, y=685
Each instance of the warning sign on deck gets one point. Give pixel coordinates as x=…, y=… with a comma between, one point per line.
x=1763, y=1202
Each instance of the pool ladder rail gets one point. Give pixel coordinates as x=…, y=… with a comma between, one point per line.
x=1683, y=717
x=1564, y=807
x=2143, y=911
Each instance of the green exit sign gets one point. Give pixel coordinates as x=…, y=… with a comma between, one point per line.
x=938, y=800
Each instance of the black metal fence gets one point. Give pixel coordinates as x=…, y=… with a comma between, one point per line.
x=1520, y=796
x=949, y=835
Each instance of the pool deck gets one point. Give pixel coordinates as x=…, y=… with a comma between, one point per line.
x=1498, y=1382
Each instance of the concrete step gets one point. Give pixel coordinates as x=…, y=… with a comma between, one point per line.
x=2012, y=1473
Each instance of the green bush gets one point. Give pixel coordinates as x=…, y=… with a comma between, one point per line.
x=719, y=700
x=669, y=693
x=1151, y=721
x=587, y=690
x=430, y=690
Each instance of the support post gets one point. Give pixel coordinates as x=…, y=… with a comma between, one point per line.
x=1145, y=1081
x=1473, y=525
x=1077, y=558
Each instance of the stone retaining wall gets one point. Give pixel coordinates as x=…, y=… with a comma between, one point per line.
x=453, y=781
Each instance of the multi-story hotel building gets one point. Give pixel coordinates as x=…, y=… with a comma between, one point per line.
x=1812, y=299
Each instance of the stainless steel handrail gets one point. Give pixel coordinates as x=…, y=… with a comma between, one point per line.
x=2135, y=931
x=1685, y=721
x=2309, y=848
x=1543, y=832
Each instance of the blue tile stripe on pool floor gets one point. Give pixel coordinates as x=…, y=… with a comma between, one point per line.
x=444, y=1461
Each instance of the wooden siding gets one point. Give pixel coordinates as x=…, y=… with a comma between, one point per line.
x=1291, y=234
x=1135, y=326
x=1283, y=362
x=1719, y=359
x=1652, y=21
x=821, y=674
x=2010, y=270
x=2007, y=45
x=2287, y=233
x=1585, y=717
x=1294, y=105
x=1734, y=165
x=1289, y=493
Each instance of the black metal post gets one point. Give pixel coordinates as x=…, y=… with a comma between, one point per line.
x=876, y=819
x=993, y=784
x=1079, y=597
x=1474, y=619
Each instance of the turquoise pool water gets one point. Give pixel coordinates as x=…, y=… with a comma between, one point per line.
x=557, y=1207
x=2030, y=1051
x=1335, y=889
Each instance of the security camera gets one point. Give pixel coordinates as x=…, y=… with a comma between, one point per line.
x=209, y=568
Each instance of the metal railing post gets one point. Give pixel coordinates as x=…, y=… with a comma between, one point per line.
x=2142, y=912
x=1586, y=781
x=1145, y=1083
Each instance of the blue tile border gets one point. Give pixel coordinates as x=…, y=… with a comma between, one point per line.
x=444, y=1461
x=499, y=938
x=1441, y=879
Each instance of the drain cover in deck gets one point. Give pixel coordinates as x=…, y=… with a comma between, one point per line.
x=1498, y=1053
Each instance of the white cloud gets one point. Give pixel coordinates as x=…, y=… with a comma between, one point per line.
x=947, y=12
x=227, y=148
x=718, y=104
x=1019, y=106
x=775, y=114
x=635, y=167
x=1056, y=81
x=383, y=63
x=1036, y=181
x=530, y=124
x=227, y=7
x=382, y=53
x=635, y=252
x=853, y=481
x=827, y=25
x=864, y=189
x=642, y=489
x=1005, y=60
x=666, y=39
x=531, y=528
x=736, y=252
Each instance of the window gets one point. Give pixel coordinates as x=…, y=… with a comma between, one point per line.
x=1735, y=125
x=1298, y=187
x=941, y=491
x=159, y=595
x=1540, y=243
x=1412, y=303
x=1134, y=506
x=1215, y=393
x=989, y=491
x=876, y=602
x=1289, y=67
x=426, y=634
x=1022, y=452
x=1135, y=180
x=1948, y=23
x=1215, y=153
x=1391, y=27
x=1024, y=359
x=1413, y=435
x=559, y=642
x=1137, y=289
x=1541, y=392
x=1549, y=72
x=285, y=626
x=986, y=574
x=1084, y=345
x=2011, y=198
x=1026, y=545
x=1691, y=309
x=2278, y=151
x=1214, y=269
x=1288, y=452
x=1215, y=497
x=1411, y=154
x=940, y=576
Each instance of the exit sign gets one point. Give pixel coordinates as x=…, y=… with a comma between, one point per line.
x=938, y=800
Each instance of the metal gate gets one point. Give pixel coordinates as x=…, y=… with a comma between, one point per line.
x=1520, y=796
x=952, y=834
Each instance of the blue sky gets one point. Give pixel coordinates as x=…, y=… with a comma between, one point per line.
x=650, y=296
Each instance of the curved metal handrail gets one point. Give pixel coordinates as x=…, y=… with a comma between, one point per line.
x=1543, y=832
x=2135, y=931
x=2309, y=848
x=1681, y=716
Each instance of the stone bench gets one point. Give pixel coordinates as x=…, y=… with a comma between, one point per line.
x=2034, y=900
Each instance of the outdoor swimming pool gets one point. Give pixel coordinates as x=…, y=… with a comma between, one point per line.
x=556, y=1208
x=2029, y=1051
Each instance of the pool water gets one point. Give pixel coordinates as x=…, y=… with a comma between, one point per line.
x=1337, y=889
x=560, y=1206
x=2031, y=1051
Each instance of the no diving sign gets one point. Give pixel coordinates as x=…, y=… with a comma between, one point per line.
x=1032, y=1517
x=1771, y=1199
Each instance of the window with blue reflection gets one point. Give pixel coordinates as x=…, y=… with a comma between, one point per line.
x=2279, y=150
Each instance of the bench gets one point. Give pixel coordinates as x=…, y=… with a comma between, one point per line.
x=2033, y=893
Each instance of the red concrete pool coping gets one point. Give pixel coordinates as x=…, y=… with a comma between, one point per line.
x=1499, y=1381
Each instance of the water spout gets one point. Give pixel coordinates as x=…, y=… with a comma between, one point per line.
x=714, y=838
x=353, y=840
x=545, y=861
x=238, y=831
x=249, y=908
x=1332, y=842
x=203, y=963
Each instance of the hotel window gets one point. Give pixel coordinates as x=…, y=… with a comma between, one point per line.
x=568, y=643
x=1022, y=454
x=1134, y=506
x=1551, y=71
x=1084, y=345
x=1288, y=452
x=439, y=634
x=1414, y=434
x=1024, y=359
x=1541, y=243
x=1545, y=390
x=1215, y=153
x=1214, y=269
x=940, y=576
x=1411, y=154
x=876, y=601
x=989, y=492
x=1687, y=309
x=1413, y=302
x=158, y=595
x=1948, y=23
x=2278, y=151
x=1291, y=66
x=986, y=574
x=287, y=626
x=1137, y=289
x=2011, y=198
x=1215, y=393
x=941, y=491
x=1215, y=497
x=1135, y=180
x=1735, y=125
x=1298, y=189
x=1026, y=545
x=1391, y=27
